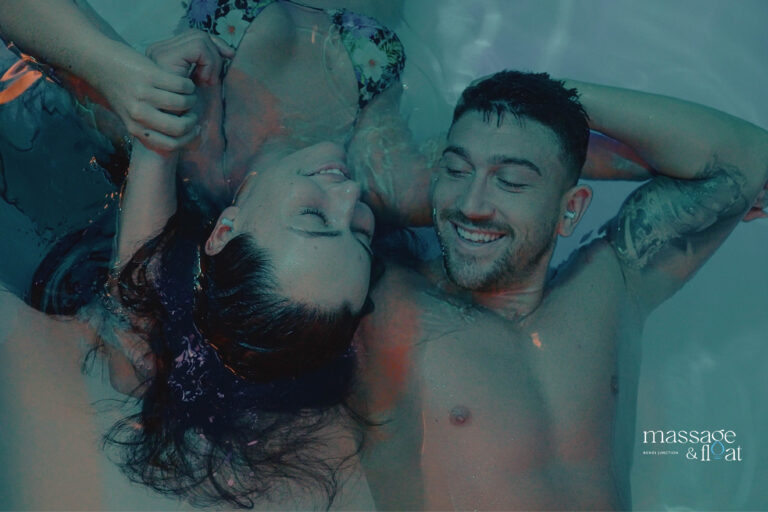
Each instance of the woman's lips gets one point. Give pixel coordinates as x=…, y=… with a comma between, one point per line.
x=333, y=168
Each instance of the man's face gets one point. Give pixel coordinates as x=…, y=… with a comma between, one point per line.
x=496, y=200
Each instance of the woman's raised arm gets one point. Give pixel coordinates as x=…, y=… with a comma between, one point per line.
x=149, y=196
x=77, y=42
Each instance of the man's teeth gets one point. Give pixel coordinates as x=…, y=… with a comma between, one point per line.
x=476, y=237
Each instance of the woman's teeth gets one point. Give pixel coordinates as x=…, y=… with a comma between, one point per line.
x=333, y=171
x=475, y=237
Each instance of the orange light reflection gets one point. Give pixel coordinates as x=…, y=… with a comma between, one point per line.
x=22, y=76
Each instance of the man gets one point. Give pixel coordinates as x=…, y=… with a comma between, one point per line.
x=499, y=384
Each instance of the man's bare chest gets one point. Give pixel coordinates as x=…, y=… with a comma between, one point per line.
x=546, y=382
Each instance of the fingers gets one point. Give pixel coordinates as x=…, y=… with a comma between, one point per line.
x=160, y=143
x=194, y=50
x=173, y=83
x=167, y=123
x=163, y=143
x=208, y=61
x=169, y=91
x=162, y=119
x=224, y=49
x=170, y=124
x=171, y=102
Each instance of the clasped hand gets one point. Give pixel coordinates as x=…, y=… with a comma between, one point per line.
x=155, y=95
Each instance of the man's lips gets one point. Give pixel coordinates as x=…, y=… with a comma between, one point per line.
x=477, y=236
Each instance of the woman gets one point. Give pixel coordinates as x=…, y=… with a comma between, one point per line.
x=272, y=323
x=248, y=323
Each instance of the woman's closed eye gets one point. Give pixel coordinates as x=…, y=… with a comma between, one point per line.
x=316, y=213
x=364, y=237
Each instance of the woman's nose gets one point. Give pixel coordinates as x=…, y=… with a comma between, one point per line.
x=344, y=197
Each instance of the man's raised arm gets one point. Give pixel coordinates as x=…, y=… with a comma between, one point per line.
x=709, y=166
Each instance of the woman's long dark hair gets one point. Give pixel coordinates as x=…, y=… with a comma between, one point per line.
x=226, y=449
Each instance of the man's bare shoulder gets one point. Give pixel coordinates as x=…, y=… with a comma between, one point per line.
x=398, y=284
x=593, y=264
x=397, y=304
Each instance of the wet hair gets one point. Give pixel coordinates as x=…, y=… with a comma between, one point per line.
x=258, y=333
x=533, y=96
x=225, y=449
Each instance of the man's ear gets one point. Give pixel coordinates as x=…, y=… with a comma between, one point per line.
x=223, y=231
x=575, y=202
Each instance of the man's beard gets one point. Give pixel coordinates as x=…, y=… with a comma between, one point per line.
x=515, y=266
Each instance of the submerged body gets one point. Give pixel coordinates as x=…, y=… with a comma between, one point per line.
x=483, y=412
x=54, y=418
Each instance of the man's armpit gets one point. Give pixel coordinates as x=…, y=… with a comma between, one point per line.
x=667, y=209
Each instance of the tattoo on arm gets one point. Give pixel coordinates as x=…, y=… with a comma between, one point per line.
x=667, y=209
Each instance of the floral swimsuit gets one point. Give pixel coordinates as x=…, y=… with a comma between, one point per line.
x=376, y=53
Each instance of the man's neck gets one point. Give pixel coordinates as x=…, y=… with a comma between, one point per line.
x=514, y=302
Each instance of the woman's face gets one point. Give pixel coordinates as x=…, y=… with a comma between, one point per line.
x=306, y=213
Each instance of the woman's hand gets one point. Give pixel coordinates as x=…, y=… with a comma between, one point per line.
x=145, y=97
x=153, y=94
x=193, y=53
x=200, y=56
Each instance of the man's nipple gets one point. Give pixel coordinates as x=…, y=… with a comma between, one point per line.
x=459, y=415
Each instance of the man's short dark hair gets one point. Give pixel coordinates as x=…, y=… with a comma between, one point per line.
x=535, y=96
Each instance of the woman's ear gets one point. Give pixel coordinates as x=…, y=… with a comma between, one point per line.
x=223, y=231
x=575, y=203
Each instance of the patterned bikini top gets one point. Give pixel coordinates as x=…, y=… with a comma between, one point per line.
x=376, y=53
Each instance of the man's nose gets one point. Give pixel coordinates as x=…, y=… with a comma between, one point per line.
x=344, y=197
x=473, y=203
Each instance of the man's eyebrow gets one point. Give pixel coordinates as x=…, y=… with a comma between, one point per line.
x=463, y=153
x=510, y=160
x=496, y=159
x=328, y=234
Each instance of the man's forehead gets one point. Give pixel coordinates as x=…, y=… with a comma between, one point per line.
x=478, y=138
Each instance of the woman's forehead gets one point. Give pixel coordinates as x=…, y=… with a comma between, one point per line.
x=327, y=271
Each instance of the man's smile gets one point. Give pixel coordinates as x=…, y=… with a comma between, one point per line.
x=474, y=239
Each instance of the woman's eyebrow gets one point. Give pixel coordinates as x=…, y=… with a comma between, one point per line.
x=328, y=234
